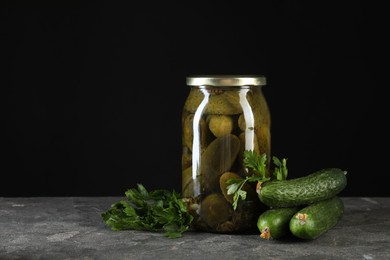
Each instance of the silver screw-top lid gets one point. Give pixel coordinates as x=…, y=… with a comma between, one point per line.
x=226, y=80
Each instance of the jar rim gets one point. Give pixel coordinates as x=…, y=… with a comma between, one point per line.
x=226, y=80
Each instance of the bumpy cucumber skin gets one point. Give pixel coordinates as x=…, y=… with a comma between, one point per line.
x=320, y=217
x=320, y=185
x=275, y=222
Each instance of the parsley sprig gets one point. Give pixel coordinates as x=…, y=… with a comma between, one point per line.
x=280, y=172
x=158, y=210
x=257, y=163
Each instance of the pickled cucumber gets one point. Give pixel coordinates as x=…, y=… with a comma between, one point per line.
x=220, y=125
x=215, y=210
x=226, y=103
x=218, y=158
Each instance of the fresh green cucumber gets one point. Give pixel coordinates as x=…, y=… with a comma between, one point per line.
x=320, y=185
x=317, y=218
x=274, y=223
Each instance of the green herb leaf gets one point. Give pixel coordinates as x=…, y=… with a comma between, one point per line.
x=280, y=171
x=232, y=188
x=158, y=210
x=258, y=164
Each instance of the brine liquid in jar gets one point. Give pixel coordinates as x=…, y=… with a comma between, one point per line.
x=222, y=117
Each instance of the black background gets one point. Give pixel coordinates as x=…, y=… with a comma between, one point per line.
x=92, y=93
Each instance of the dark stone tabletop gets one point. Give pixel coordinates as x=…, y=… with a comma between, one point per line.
x=72, y=228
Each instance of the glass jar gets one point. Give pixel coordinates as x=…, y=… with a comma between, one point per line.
x=222, y=117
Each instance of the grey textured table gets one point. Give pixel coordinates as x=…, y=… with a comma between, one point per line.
x=72, y=228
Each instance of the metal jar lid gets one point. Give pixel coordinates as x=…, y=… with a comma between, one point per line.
x=226, y=80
